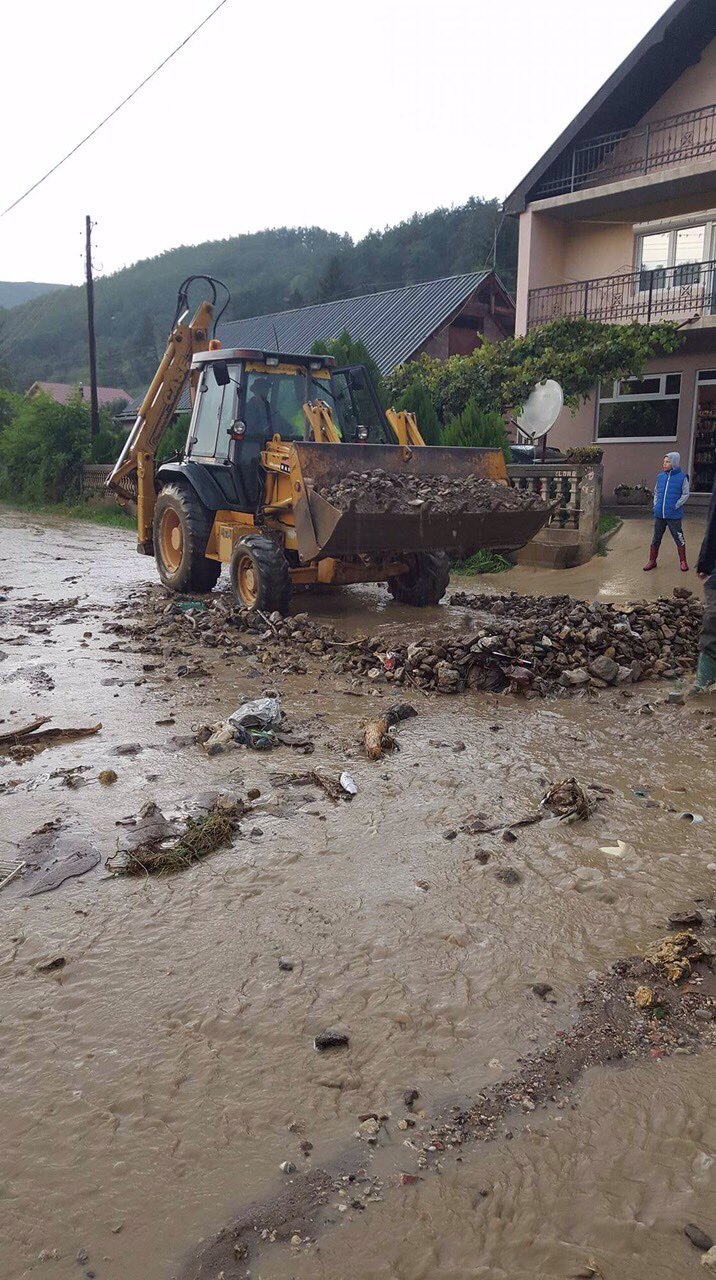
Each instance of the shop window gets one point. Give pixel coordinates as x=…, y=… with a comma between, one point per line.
x=640, y=408
x=704, y=465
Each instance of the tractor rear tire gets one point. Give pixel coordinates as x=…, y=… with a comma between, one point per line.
x=426, y=581
x=259, y=573
x=182, y=525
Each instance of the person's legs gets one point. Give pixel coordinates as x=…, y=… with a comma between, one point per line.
x=657, y=535
x=677, y=533
x=706, y=669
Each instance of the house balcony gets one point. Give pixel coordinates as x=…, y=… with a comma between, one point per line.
x=686, y=292
x=630, y=153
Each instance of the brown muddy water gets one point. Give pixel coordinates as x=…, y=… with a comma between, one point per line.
x=152, y=1087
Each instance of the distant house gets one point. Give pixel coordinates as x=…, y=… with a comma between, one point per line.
x=62, y=392
x=441, y=317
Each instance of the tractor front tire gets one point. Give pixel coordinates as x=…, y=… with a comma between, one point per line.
x=426, y=581
x=259, y=573
x=182, y=525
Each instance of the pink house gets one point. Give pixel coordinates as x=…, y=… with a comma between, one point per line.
x=62, y=392
x=618, y=223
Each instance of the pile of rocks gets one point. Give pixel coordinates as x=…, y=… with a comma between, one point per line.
x=540, y=642
x=378, y=491
x=574, y=643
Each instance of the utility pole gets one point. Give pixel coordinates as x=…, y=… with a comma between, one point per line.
x=94, y=403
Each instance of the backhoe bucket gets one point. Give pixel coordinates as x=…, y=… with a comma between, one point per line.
x=323, y=530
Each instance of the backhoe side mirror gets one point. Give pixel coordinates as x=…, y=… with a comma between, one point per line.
x=221, y=372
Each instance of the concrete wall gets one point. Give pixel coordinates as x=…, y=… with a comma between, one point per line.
x=695, y=88
x=637, y=463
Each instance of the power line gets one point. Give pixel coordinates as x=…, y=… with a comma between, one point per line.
x=123, y=103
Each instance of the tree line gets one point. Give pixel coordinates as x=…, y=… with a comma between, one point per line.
x=271, y=270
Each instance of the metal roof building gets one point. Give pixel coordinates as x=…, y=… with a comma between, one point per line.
x=442, y=317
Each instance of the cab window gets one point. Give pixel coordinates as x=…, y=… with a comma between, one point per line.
x=205, y=425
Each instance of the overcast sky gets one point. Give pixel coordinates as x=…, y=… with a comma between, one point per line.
x=420, y=104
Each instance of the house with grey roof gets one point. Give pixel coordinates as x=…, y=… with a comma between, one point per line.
x=442, y=317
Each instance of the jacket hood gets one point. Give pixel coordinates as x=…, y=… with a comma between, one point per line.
x=675, y=460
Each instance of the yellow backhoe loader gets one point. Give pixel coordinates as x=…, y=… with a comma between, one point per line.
x=270, y=434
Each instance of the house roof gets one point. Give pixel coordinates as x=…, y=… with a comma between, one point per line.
x=64, y=391
x=673, y=44
x=393, y=324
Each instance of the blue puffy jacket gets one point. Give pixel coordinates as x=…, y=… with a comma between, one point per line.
x=668, y=490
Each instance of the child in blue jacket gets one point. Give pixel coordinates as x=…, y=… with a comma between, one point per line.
x=670, y=494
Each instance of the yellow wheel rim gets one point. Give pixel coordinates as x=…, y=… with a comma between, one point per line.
x=171, y=540
x=247, y=583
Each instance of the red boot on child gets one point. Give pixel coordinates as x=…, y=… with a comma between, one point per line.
x=651, y=562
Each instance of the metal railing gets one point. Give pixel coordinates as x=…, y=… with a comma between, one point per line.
x=666, y=293
x=626, y=153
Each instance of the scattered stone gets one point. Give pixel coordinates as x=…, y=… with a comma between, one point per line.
x=709, y=1260
x=253, y=793
x=604, y=668
x=685, y=919
x=82, y=1257
x=508, y=875
x=410, y=1096
x=450, y=835
x=541, y=989
x=509, y=836
x=409, y=1179
x=51, y=966
x=482, y=856
x=287, y=1166
x=331, y=1040
x=127, y=749
x=698, y=1238
x=285, y=964
x=106, y=777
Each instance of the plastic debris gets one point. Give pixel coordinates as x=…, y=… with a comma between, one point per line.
x=691, y=817
x=348, y=784
x=260, y=713
x=615, y=850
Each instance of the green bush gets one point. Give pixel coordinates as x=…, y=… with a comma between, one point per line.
x=476, y=429
x=417, y=399
x=42, y=450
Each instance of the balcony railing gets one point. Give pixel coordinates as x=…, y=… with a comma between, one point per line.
x=630, y=152
x=668, y=293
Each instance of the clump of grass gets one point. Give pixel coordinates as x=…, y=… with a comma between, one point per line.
x=95, y=512
x=606, y=524
x=200, y=837
x=481, y=562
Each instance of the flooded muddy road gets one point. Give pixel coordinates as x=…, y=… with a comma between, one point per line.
x=152, y=1085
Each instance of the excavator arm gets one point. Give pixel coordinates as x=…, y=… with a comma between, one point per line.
x=133, y=473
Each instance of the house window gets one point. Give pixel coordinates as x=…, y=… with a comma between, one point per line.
x=673, y=259
x=639, y=408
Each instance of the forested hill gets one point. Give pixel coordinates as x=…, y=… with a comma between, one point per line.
x=267, y=271
x=15, y=292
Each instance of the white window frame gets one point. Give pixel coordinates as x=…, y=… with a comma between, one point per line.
x=671, y=229
x=616, y=398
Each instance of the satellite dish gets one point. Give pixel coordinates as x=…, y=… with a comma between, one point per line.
x=541, y=410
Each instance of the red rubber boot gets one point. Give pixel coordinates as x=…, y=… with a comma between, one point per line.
x=651, y=562
x=682, y=559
